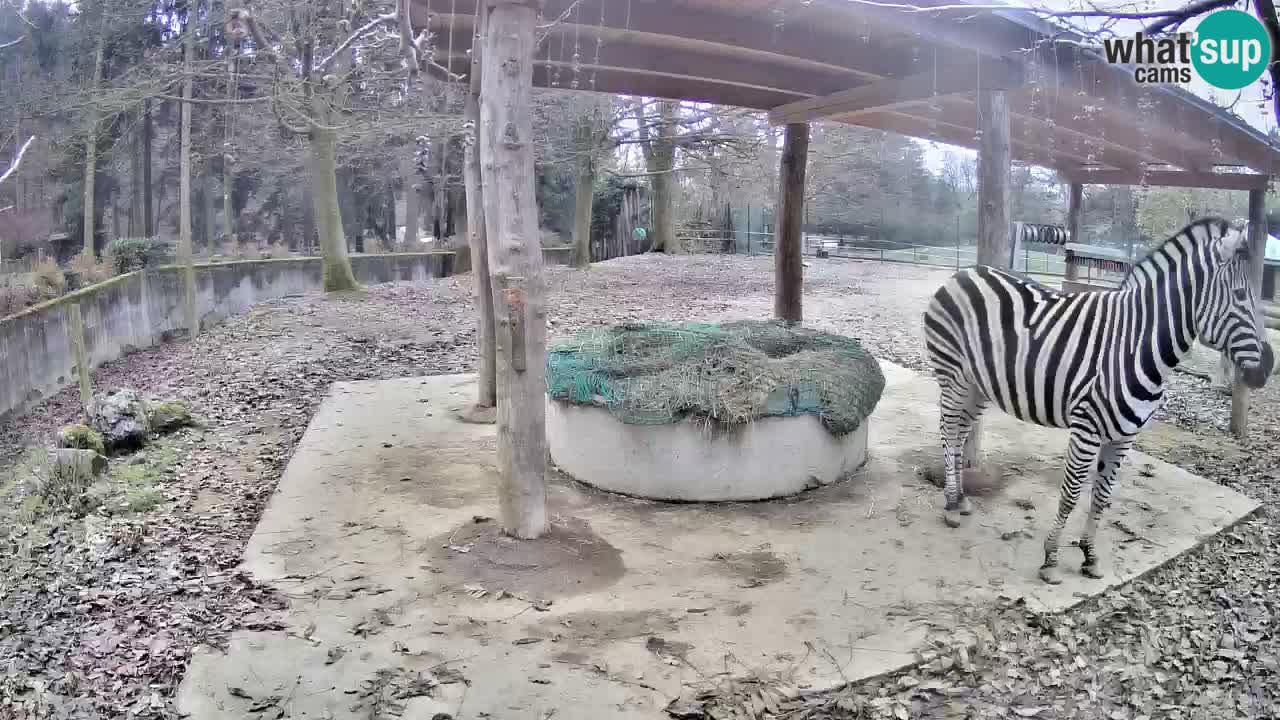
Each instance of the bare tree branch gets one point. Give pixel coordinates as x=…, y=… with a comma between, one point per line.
x=1177, y=17
x=1267, y=12
x=408, y=48
x=17, y=160
x=1117, y=14
x=389, y=19
x=11, y=43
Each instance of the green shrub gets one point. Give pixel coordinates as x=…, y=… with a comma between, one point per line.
x=81, y=437
x=131, y=254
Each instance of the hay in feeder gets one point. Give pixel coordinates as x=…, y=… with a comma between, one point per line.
x=731, y=373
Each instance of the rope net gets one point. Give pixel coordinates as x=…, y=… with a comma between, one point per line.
x=731, y=373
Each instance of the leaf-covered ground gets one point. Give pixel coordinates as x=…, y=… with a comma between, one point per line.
x=98, y=617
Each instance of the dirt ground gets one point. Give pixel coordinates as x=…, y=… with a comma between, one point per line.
x=102, y=624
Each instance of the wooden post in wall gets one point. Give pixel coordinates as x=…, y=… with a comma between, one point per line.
x=1257, y=249
x=515, y=262
x=788, y=255
x=482, y=286
x=994, y=246
x=1075, y=206
x=80, y=353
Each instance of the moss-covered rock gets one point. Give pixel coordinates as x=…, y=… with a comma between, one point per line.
x=81, y=437
x=121, y=416
x=168, y=416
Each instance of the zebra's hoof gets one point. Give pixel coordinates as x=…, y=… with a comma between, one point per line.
x=1051, y=575
x=1092, y=570
x=954, y=518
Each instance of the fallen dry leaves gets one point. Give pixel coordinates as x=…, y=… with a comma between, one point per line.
x=100, y=621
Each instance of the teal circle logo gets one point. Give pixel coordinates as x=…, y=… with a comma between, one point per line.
x=1232, y=49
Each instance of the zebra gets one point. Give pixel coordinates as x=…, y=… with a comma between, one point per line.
x=1093, y=362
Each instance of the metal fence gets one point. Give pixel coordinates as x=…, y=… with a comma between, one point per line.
x=1040, y=261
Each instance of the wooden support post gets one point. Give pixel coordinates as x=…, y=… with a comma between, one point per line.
x=515, y=259
x=993, y=179
x=482, y=287
x=75, y=334
x=788, y=292
x=1075, y=206
x=1257, y=246
x=994, y=243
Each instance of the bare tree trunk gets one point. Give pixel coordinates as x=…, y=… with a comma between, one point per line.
x=228, y=209
x=487, y=395
x=324, y=196
x=584, y=194
x=511, y=219
x=228, y=160
x=91, y=142
x=184, y=189
x=211, y=188
x=659, y=154
x=308, y=214
x=148, y=219
x=409, y=177
x=788, y=252
x=664, y=222
x=439, y=199
x=136, y=222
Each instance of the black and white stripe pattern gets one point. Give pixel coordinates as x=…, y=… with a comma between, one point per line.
x=1092, y=362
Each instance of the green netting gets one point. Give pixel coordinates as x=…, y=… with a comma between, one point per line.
x=733, y=373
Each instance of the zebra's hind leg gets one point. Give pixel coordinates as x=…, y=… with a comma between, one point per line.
x=1082, y=453
x=961, y=405
x=1109, y=461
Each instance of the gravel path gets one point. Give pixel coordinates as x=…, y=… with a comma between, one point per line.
x=104, y=627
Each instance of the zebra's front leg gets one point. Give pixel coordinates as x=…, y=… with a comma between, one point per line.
x=1109, y=462
x=1082, y=453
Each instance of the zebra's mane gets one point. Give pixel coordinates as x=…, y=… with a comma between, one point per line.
x=1147, y=259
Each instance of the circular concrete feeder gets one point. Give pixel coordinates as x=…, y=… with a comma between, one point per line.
x=744, y=410
x=692, y=460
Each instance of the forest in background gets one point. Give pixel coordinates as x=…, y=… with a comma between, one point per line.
x=100, y=88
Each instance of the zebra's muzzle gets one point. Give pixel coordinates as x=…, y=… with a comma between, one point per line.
x=1255, y=377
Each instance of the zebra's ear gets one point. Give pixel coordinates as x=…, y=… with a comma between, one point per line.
x=1230, y=243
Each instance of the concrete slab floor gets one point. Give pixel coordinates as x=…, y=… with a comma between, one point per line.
x=379, y=535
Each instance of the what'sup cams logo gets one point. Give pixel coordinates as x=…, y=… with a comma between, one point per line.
x=1229, y=50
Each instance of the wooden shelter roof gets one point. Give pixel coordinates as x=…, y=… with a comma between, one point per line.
x=882, y=66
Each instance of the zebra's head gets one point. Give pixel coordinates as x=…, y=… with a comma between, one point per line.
x=1229, y=320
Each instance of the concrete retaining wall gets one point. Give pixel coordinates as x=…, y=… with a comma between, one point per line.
x=143, y=308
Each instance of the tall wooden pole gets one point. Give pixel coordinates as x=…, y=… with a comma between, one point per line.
x=515, y=260
x=994, y=243
x=1257, y=249
x=788, y=250
x=993, y=179
x=1075, y=206
x=482, y=289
